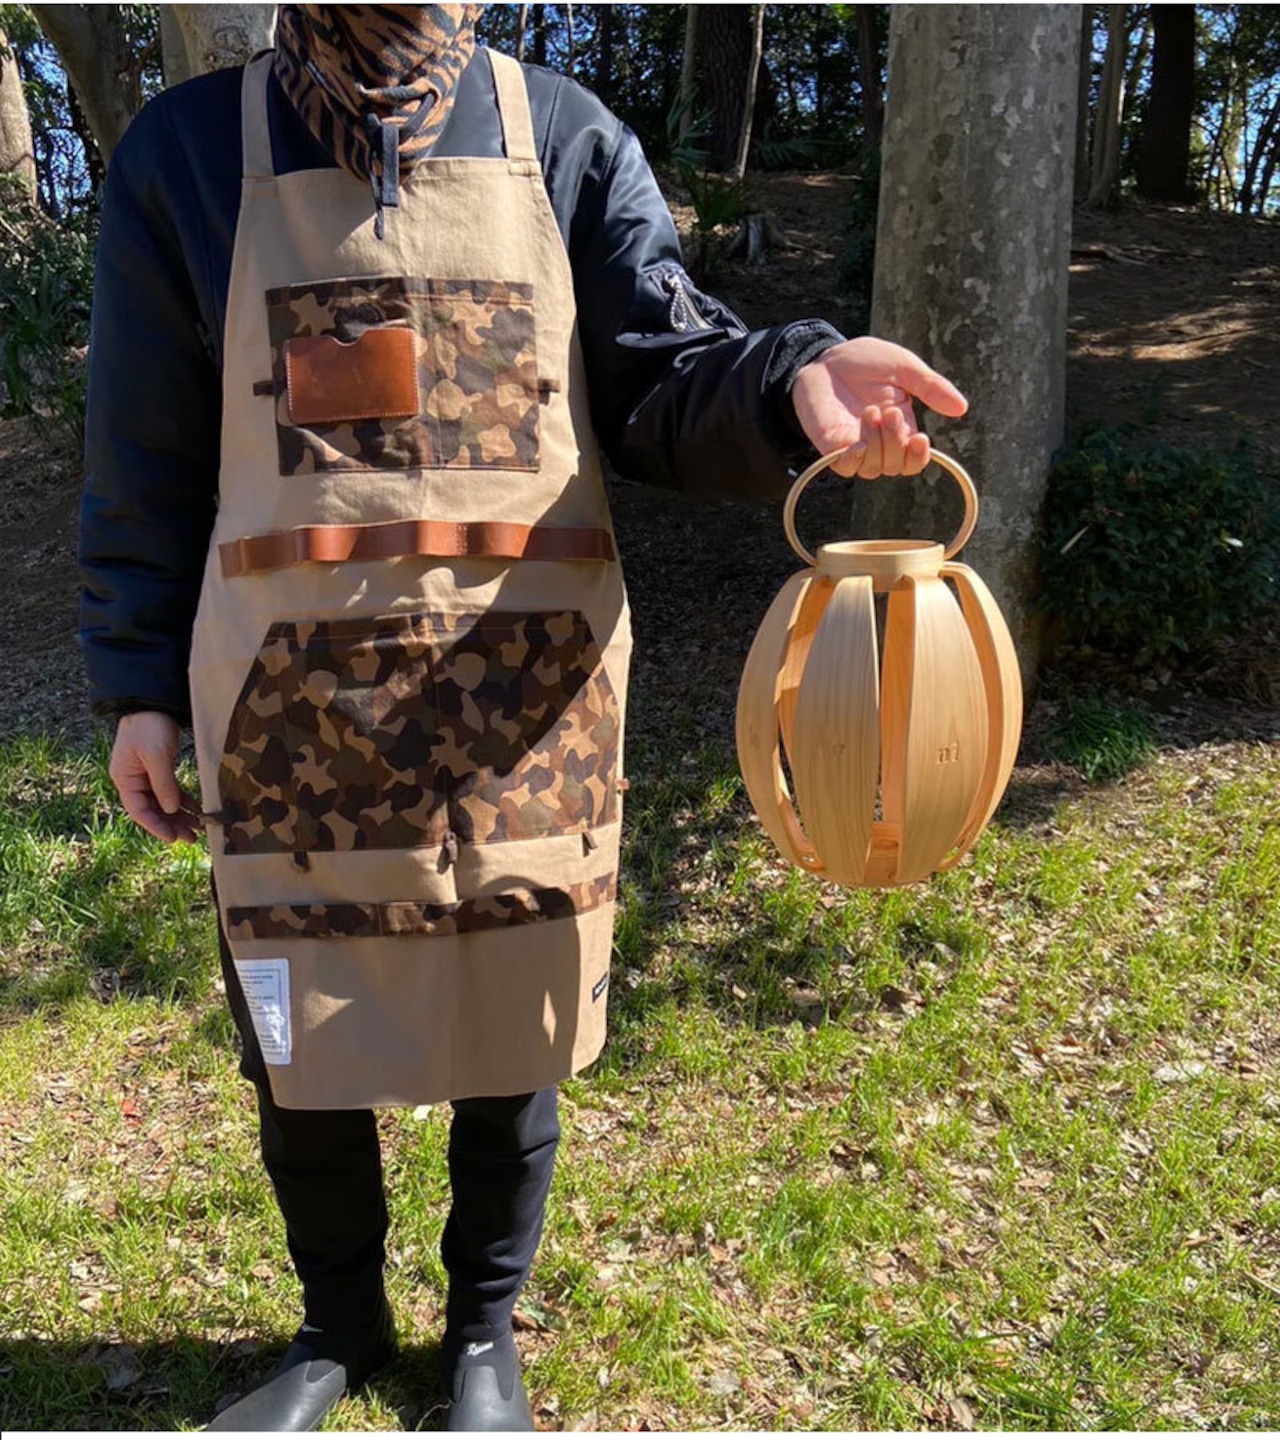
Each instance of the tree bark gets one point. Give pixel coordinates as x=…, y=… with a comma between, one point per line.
x=689, y=71
x=1251, y=193
x=522, y=28
x=604, y=55
x=1081, y=187
x=971, y=267
x=17, y=148
x=869, y=74
x=540, y=35
x=91, y=44
x=1164, y=151
x=1105, y=178
x=727, y=57
x=216, y=37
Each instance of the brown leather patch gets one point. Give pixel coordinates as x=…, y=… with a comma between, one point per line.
x=329, y=381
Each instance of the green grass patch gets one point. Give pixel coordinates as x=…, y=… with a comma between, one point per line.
x=998, y=1150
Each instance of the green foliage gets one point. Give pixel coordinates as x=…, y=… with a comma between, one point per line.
x=1150, y=552
x=716, y=199
x=46, y=287
x=1103, y=740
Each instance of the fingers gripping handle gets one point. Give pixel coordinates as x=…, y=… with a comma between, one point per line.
x=953, y=467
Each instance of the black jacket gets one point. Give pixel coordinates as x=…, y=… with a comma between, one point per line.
x=682, y=395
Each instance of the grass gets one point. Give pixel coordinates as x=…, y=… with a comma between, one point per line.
x=996, y=1152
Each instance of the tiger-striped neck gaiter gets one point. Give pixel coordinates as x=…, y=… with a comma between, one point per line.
x=375, y=83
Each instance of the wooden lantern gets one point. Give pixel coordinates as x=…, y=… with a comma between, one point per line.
x=897, y=762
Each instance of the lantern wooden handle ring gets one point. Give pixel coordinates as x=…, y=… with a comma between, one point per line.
x=953, y=467
x=898, y=752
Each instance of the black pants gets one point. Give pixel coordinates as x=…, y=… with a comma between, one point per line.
x=326, y=1168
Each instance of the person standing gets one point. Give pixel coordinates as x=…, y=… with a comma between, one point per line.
x=367, y=311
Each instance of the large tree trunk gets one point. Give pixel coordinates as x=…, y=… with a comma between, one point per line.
x=91, y=44
x=971, y=267
x=1164, y=151
x=1104, y=183
x=728, y=43
x=869, y=74
x=215, y=37
x=17, y=150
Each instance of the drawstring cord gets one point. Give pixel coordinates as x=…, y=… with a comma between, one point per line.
x=384, y=141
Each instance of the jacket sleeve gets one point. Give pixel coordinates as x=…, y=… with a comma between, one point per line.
x=683, y=394
x=152, y=430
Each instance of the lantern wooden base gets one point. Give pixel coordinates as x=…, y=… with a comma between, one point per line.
x=898, y=763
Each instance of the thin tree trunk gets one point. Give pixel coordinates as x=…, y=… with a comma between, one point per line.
x=1081, y=187
x=968, y=83
x=91, y=44
x=869, y=74
x=688, y=70
x=540, y=35
x=17, y=148
x=569, y=22
x=1268, y=173
x=749, y=97
x=1105, y=179
x=522, y=26
x=604, y=58
x=1261, y=150
x=728, y=61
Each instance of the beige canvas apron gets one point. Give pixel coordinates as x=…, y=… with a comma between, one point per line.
x=410, y=661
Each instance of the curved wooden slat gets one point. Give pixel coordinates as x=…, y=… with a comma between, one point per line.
x=1002, y=684
x=835, y=759
x=757, y=724
x=933, y=724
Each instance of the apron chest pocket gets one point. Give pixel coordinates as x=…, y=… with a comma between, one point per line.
x=394, y=372
x=406, y=730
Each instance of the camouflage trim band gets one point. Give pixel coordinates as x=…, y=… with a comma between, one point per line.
x=477, y=373
x=355, y=920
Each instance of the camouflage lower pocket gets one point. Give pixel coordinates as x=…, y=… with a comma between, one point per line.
x=410, y=730
x=476, y=374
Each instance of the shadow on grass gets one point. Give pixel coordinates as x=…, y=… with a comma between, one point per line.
x=177, y=1384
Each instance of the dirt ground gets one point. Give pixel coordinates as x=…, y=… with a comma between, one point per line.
x=1173, y=316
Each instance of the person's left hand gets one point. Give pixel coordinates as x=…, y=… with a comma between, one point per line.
x=859, y=394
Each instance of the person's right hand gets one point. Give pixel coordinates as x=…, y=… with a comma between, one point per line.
x=143, y=765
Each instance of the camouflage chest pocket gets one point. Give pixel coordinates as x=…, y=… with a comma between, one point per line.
x=412, y=730
x=392, y=372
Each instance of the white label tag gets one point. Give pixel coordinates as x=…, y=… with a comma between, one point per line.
x=266, y=990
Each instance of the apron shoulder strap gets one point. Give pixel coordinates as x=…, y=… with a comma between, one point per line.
x=513, y=107
x=254, y=131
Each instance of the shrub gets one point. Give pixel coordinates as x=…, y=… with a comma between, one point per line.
x=46, y=287
x=1151, y=552
x=1102, y=739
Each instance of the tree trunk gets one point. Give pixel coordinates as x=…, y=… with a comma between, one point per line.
x=689, y=71
x=174, y=60
x=728, y=60
x=1164, y=151
x=216, y=37
x=971, y=267
x=1105, y=181
x=17, y=149
x=1268, y=174
x=1262, y=146
x=540, y=35
x=869, y=74
x=91, y=44
x=604, y=56
x=1081, y=187
x=749, y=94
x=522, y=28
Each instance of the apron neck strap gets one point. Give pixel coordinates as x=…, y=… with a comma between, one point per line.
x=513, y=107
x=254, y=131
